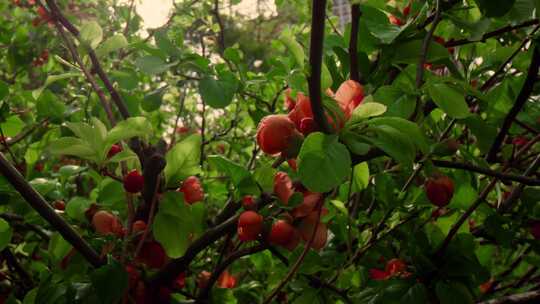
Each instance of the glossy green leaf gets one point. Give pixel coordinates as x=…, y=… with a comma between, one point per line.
x=91, y=34
x=323, y=162
x=451, y=101
x=183, y=160
x=217, y=93
x=5, y=234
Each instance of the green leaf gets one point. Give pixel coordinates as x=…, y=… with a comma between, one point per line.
x=323, y=162
x=129, y=128
x=408, y=128
x=378, y=25
x=76, y=208
x=110, y=282
x=72, y=146
x=91, y=34
x=453, y=293
x=217, y=93
x=494, y=8
x=5, y=234
x=367, y=110
x=239, y=175
x=177, y=224
x=416, y=294
x=361, y=176
x=287, y=38
x=153, y=65
x=12, y=126
x=394, y=143
x=58, y=247
x=451, y=101
x=112, y=44
x=326, y=77
x=408, y=52
x=4, y=89
x=183, y=160
x=51, y=79
x=153, y=100
x=48, y=105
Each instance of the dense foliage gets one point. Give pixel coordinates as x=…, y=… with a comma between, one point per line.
x=224, y=158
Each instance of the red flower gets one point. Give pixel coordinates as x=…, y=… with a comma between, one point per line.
x=292, y=164
x=440, y=190
x=308, y=205
x=289, y=102
x=395, y=266
x=520, y=141
x=180, y=281
x=226, y=280
x=250, y=225
x=301, y=111
x=395, y=20
x=203, y=278
x=133, y=182
x=115, y=149
x=407, y=9
x=378, y=275
x=307, y=227
x=192, y=189
x=283, y=234
x=486, y=286
x=138, y=226
x=106, y=224
x=277, y=134
x=248, y=202
x=283, y=186
x=152, y=254
x=349, y=95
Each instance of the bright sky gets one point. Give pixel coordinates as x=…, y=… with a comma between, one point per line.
x=156, y=12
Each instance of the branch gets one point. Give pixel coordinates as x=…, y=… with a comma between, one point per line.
x=526, y=297
x=425, y=47
x=176, y=266
x=506, y=29
x=516, y=193
x=529, y=181
x=221, y=34
x=522, y=98
x=205, y=292
x=47, y=212
x=16, y=266
x=56, y=12
x=87, y=74
x=17, y=220
x=298, y=262
x=315, y=61
x=491, y=81
x=353, y=43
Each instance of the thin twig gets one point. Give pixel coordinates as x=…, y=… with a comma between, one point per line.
x=495, y=33
x=526, y=90
x=472, y=168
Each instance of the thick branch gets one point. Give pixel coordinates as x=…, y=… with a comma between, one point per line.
x=522, y=98
x=315, y=61
x=353, y=43
x=502, y=176
x=47, y=212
